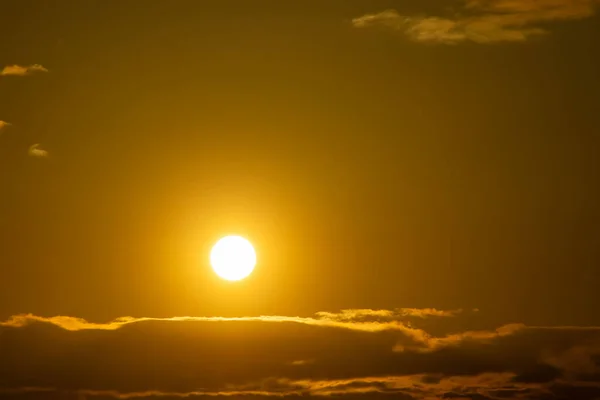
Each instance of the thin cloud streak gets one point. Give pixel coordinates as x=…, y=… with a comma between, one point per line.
x=483, y=21
x=366, y=314
x=420, y=386
x=19, y=70
x=155, y=393
x=424, y=342
x=26, y=389
x=77, y=324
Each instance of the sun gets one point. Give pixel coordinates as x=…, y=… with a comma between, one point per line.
x=233, y=258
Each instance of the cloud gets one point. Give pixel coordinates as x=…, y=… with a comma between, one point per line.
x=358, y=315
x=323, y=319
x=302, y=362
x=579, y=360
x=36, y=151
x=483, y=21
x=19, y=70
x=337, y=355
x=3, y=124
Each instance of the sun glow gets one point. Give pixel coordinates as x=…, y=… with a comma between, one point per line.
x=233, y=258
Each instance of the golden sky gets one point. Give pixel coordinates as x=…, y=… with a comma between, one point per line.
x=419, y=180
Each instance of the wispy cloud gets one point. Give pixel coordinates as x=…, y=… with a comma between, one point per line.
x=386, y=315
x=196, y=393
x=3, y=124
x=78, y=324
x=20, y=70
x=484, y=386
x=302, y=362
x=483, y=21
x=412, y=386
x=35, y=150
x=322, y=319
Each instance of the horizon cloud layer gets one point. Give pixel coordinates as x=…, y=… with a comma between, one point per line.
x=351, y=353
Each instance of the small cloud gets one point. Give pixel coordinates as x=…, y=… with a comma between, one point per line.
x=388, y=18
x=36, y=151
x=3, y=124
x=19, y=70
x=483, y=21
x=302, y=362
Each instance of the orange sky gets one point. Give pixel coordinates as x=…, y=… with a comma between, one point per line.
x=438, y=156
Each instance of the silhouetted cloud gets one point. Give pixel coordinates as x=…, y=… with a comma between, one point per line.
x=483, y=21
x=19, y=70
x=331, y=354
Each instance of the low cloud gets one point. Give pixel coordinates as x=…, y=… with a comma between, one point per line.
x=412, y=387
x=330, y=354
x=325, y=319
x=483, y=21
x=20, y=70
x=362, y=315
x=35, y=150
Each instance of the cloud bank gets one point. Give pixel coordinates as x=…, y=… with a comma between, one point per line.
x=353, y=354
x=483, y=21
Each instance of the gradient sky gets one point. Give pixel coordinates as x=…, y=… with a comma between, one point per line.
x=436, y=155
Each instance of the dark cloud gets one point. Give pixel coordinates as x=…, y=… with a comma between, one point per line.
x=279, y=356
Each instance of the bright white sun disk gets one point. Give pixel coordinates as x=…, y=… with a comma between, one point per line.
x=233, y=258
